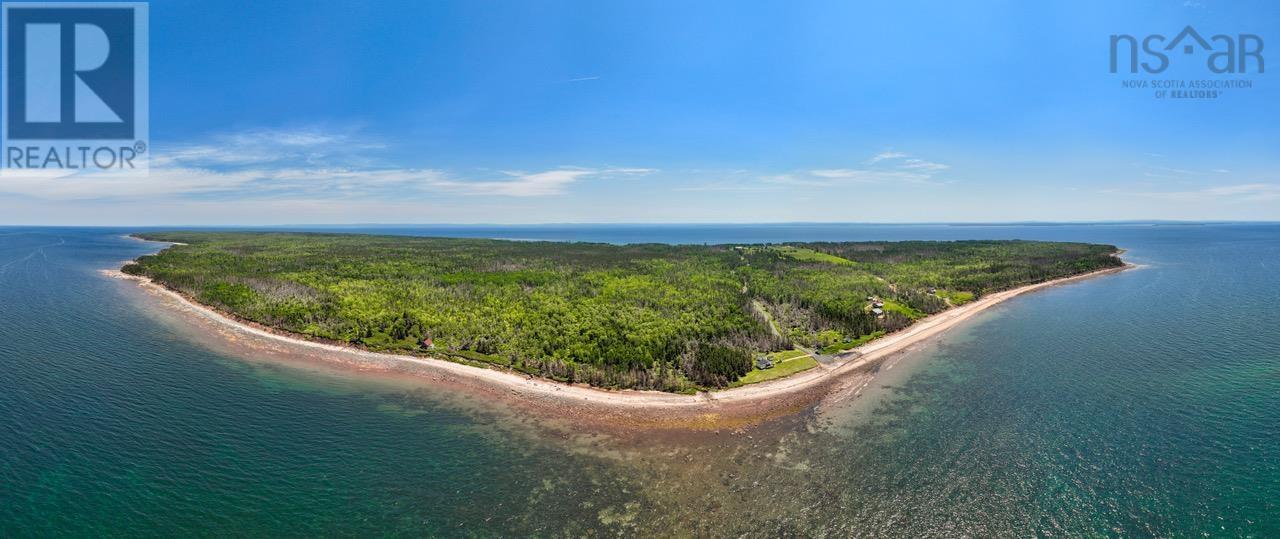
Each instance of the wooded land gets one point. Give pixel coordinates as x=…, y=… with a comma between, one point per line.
x=652, y=316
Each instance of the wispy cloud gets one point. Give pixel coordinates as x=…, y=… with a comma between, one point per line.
x=921, y=164
x=1245, y=192
x=840, y=173
x=316, y=146
x=882, y=156
x=729, y=187
x=1171, y=170
x=885, y=167
x=115, y=185
x=199, y=183
x=532, y=184
x=582, y=79
x=904, y=160
x=1180, y=174
x=289, y=164
x=811, y=180
x=846, y=176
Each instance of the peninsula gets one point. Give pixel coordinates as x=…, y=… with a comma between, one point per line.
x=674, y=318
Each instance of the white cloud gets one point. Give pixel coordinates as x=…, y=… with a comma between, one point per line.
x=298, y=138
x=295, y=182
x=883, y=156
x=286, y=165
x=1171, y=170
x=1246, y=192
x=921, y=164
x=885, y=167
x=97, y=185
x=729, y=187
x=521, y=184
x=792, y=179
x=631, y=171
x=882, y=168
x=1250, y=191
x=1179, y=174
x=842, y=173
x=262, y=146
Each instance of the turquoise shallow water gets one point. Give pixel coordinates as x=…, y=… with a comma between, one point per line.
x=1145, y=403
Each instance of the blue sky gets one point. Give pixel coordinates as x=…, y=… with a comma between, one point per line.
x=524, y=112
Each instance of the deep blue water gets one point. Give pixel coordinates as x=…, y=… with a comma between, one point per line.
x=1144, y=403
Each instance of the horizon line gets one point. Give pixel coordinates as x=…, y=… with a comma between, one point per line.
x=671, y=223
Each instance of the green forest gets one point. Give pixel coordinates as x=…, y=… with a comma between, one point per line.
x=676, y=318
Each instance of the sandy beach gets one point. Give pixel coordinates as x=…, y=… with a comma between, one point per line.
x=710, y=410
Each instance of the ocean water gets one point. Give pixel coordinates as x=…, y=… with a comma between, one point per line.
x=1140, y=404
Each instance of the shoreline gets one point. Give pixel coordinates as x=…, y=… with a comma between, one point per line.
x=739, y=406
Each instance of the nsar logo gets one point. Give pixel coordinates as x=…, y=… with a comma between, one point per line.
x=1227, y=54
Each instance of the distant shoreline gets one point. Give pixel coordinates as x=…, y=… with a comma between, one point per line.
x=709, y=410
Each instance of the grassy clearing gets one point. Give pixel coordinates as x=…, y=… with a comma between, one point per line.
x=956, y=297
x=779, y=357
x=799, y=361
x=842, y=346
x=810, y=255
x=904, y=310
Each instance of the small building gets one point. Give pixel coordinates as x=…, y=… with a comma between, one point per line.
x=763, y=362
x=933, y=290
x=428, y=343
x=878, y=305
x=877, y=311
